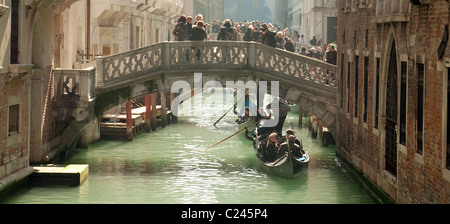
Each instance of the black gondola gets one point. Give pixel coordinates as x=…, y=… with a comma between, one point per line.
x=288, y=166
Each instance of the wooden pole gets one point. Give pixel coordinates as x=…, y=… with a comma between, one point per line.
x=240, y=131
x=148, y=113
x=129, y=122
x=175, y=106
x=171, y=97
x=300, y=117
x=153, y=113
x=163, y=110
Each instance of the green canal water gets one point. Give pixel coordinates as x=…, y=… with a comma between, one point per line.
x=169, y=167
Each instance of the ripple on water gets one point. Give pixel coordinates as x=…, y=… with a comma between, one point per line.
x=169, y=167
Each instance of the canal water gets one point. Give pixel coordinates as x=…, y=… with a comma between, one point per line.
x=169, y=167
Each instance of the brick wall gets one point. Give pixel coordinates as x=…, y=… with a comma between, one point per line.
x=13, y=153
x=417, y=34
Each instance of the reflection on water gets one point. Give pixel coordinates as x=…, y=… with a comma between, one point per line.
x=169, y=167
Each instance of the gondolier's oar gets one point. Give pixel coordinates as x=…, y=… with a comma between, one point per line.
x=227, y=112
x=231, y=136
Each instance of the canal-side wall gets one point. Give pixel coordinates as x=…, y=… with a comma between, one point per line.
x=383, y=47
x=373, y=191
x=14, y=182
x=14, y=123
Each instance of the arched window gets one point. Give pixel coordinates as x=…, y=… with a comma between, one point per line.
x=392, y=112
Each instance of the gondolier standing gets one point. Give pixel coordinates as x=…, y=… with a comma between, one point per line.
x=282, y=111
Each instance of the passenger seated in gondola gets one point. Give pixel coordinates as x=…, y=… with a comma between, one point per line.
x=291, y=132
x=270, y=148
x=297, y=150
x=245, y=117
x=284, y=148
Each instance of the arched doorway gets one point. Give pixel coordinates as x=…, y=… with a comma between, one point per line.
x=391, y=112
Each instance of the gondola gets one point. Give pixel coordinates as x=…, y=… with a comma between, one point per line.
x=250, y=120
x=246, y=124
x=288, y=166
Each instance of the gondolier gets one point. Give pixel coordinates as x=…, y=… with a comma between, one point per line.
x=282, y=111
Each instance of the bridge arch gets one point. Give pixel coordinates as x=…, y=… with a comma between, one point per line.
x=118, y=78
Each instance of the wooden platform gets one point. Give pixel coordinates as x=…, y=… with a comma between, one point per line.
x=72, y=175
x=115, y=125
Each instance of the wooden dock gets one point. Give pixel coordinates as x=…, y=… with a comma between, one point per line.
x=115, y=125
x=71, y=175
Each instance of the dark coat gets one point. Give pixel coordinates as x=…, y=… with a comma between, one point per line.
x=226, y=33
x=198, y=34
x=279, y=42
x=295, y=149
x=331, y=57
x=269, y=151
x=256, y=36
x=289, y=46
x=248, y=35
x=269, y=39
x=181, y=32
x=316, y=55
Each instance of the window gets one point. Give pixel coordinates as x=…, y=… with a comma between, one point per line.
x=14, y=32
x=420, y=105
x=377, y=93
x=356, y=84
x=348, y=87
x=366, y=87
x=403, y=95
x=13, y=125
x=342, y=82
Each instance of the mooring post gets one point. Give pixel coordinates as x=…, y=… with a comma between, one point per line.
x=153, y=111
x=148, y=113
x=175, y=107
x=300, y=117
x=129, y=122
x=169, y=107
x=163, y=110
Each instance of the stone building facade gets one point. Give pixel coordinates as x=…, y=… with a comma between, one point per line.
x=393, y=123
x=310, y=18
x=210, y=9
x=41, y=36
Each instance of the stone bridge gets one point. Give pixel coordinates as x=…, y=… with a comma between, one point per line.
x=82, y=95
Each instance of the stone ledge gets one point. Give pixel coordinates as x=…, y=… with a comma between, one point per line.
x=391, y=18
x=10, y=183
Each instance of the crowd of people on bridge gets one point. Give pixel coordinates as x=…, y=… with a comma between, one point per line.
x=187, y=29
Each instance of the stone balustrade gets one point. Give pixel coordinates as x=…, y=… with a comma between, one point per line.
x=75, y=85
x=214, y=55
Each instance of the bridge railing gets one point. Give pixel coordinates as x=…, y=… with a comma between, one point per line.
x=75, y=85
x=207, y=55
x=204, y=55
x=280, y=62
